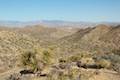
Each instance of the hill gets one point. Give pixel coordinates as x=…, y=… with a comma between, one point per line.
x=64, y=53
x=12, y=44
x=100, y=39
x=45, y=34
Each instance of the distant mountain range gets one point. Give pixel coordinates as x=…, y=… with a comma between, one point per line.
x=54, y=23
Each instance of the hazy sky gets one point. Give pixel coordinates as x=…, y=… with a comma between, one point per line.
x=68, y=10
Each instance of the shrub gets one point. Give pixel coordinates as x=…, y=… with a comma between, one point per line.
x=74, y=58
x=14, y=76
x=79, y=56
x=114, y=59
x=28, y=59
x=116, y=67
x=104, y=63
x=46, y=57
x=116, y=51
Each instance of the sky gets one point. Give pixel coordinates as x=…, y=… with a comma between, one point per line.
x=66, y=10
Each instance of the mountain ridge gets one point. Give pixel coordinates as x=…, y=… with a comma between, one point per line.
x=54, y=23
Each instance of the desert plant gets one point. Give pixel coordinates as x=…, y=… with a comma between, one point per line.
x=62, y=60
x=14, y=76
x=116, y=67
x=28, y=59
x=79, y=56
x=114, y=60
x=74, y=58
x=116, y=51
x=61, y=76
x=46, y=57
x=104, y=63
x=73, y=74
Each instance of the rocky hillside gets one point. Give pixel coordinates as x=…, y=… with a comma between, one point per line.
x=12, y=44
x=100, y=39
x=44, y=53
x=46, y=34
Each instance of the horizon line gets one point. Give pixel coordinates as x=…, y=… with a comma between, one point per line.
x=59, y=21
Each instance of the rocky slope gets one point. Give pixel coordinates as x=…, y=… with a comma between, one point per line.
x=100, y=39
x=46, y=34
x=60, y=53
x=12, y=44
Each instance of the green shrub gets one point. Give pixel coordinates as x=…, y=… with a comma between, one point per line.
x=79, y=56
x=74, y=58
x=46, y=57
x=28, y=59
